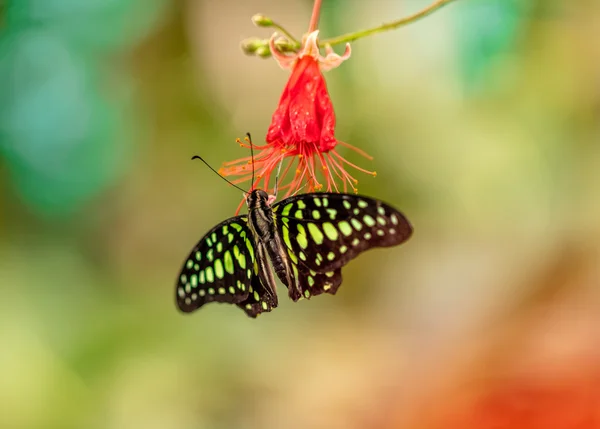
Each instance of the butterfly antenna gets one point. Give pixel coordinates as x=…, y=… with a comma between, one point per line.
x=249, y=137
x=299, y=189
x=217, y=173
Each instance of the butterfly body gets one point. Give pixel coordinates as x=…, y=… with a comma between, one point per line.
x=306, y=239
x=266, y=240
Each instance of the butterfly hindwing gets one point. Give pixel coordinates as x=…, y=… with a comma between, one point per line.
x=312, y=283
x=257, y=300
x=221, y=268
x=324, y=231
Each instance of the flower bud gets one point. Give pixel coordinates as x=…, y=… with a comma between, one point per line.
x=263, y=51
x=261, y=20
x=284, y=45
x=250, y=45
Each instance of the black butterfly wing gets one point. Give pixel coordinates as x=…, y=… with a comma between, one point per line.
x=222, y=268
x=258, y=300
x=311, y=283
x=324, y=231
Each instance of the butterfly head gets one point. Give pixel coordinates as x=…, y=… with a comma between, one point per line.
x=257, y=198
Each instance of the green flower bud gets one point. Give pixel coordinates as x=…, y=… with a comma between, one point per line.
x=261, y=20
x=284, y=45
x=263, y=51
x=250, y=45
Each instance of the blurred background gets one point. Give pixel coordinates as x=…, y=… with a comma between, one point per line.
x=484, y=123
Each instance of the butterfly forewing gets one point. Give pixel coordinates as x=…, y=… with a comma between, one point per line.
x=324, y=231
x=220, y=268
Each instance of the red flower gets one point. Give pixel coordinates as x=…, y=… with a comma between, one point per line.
x=302, y=129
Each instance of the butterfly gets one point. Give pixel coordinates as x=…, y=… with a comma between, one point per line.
x=306, y=238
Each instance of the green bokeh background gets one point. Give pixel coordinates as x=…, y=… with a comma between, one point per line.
x=484, y=122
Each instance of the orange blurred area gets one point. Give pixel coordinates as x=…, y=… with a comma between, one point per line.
x=540, y=370
x=484, y=123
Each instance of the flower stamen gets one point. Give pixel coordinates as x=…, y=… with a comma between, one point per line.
x=341, y=158
x=357, y=150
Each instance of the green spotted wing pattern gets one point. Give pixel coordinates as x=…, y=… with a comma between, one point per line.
x=222, y=267
x=322, y=232
x=305, y=239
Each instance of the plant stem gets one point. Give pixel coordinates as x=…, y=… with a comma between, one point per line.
x=314, y=19
x=349, y=37
x=286, y=33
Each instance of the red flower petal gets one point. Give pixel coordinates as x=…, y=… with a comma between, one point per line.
x=305, y=113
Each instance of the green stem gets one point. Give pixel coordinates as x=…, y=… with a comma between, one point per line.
x=312, y=26
x=286, y=33
x=349, y=37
